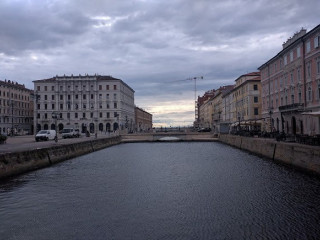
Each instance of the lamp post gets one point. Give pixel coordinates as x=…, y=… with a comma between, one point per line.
x=55, y=117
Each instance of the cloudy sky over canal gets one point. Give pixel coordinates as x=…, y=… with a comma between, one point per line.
x=150, y=44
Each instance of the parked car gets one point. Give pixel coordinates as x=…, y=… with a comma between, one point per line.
x=45, y=135
x=70, y=133
x=204, y=130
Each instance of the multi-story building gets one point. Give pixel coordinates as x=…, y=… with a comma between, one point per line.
x=218, y=107
x=91, y=103
x=291, y=85
x=204, y=118
x=246, y=101
x=16, y=109
x=143, y=120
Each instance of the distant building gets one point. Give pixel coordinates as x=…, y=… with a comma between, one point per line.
x=143, y=120
x=291, y=85
x=16, y=109
x=202, y=109
x=245, y=102
x=91, y=103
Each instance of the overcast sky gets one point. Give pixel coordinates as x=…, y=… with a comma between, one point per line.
x=149, y=44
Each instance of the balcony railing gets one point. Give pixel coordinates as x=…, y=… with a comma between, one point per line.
x=291, y=107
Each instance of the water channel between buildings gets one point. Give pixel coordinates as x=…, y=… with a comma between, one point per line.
x=185, y=190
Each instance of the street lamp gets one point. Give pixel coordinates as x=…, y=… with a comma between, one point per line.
x=55, y=117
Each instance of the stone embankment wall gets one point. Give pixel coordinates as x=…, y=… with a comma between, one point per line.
x=301, y=156
x=20, y=162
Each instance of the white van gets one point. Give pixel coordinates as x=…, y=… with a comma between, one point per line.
x=70, y=133
x=45, y=135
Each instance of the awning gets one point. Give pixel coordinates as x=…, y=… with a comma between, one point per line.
x=316, y=114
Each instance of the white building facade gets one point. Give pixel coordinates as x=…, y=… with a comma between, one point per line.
x=95, y=103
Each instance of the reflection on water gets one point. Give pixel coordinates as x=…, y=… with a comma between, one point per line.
x=162, y=191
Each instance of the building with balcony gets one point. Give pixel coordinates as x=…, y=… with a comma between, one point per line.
x=91, y=103
x=143, y=120
x=291, y=85
x=16, y=109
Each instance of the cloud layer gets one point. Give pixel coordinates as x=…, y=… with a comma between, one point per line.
x=149, y=44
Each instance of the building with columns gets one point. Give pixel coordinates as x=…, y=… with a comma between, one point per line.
x=91, y=103
x=291, y=85
x=16, y=109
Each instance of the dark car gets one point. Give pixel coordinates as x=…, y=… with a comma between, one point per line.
x=204, y=130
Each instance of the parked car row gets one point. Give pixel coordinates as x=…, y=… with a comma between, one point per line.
x=45, y=135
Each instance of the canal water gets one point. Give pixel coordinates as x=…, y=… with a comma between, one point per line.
x=162, y=191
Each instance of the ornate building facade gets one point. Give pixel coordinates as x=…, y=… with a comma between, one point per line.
x=16, y=109
x=291, y=85
x=90, y=103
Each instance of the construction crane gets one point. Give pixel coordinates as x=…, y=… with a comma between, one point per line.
x=195, y=93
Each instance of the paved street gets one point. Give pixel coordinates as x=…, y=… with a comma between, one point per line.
x=23, y=143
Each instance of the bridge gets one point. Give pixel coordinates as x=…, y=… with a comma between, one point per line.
x=168, y=137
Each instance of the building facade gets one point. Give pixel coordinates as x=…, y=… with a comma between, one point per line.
x=291, y=85
x=245, y=104
x=143, y=120
x=91, y=103
x=16, y=109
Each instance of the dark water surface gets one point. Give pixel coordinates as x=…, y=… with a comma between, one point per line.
x=162, y=191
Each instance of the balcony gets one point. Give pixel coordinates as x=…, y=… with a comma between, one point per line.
x=291, y=107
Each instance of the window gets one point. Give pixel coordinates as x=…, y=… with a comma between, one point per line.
x=308, y=47
x=285, y=60
x=38, y=88
x=61, y=88
x=115, y=114
x=316, y=41
x=84, y=115
x=318, y=65
x=308, y=70
x=52, y=97
x=75, y=115
x=38, y=107
x=91, y=96
x=61, y=106
x=76, y=96
x=84, y=96
x=100, y=87
x=299, y=96
x=292, y=99
x=38, y=115
x=45, y=88
x=45, y=106
x=100, y=114
x=68, y=115
x=291, y=77
x=299, y=75
x=256, y=111
x=52, y=106
x=108, y=115
x=309, y=94
x=107, y=96
x=114, y=87
x=84, y=106
x=91, y=115
x=115, y=105
x=92, y=106
x=45, y=97
x=52, y=88
x=45, y=116
x=76, y=106
x=61, y=97
x=298, y=52
x=108, y=106
x=291, y=56
x=255, y=99
x=114, y=96
x=255, y=87
x=107, y=87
